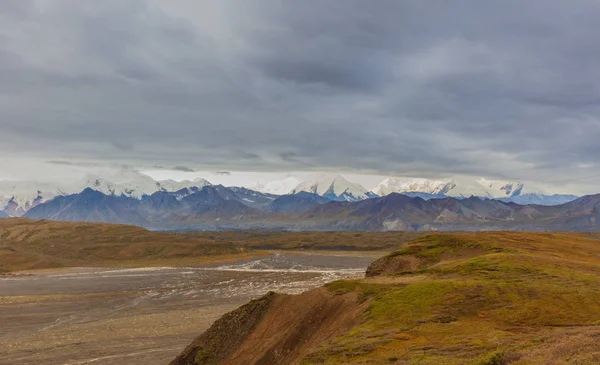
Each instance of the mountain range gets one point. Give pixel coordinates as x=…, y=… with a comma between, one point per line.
x=335, y=188
x=216, y=207
x=17, y=197
x=330, y=202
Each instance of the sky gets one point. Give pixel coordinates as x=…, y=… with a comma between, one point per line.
x=502, y=89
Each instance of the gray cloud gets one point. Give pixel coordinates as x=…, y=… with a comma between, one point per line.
x=482, y=88
x=183, y=168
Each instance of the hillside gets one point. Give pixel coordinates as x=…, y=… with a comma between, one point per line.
x=354, y=241
x=490, y=298
x=28, y=244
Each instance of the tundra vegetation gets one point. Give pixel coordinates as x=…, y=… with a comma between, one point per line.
x=489, y=298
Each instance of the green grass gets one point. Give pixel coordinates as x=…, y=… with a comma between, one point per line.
x=476, y=299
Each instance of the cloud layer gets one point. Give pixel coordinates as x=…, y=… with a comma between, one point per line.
x=504, y=89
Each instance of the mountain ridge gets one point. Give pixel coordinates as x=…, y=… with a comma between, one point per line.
x=215, y=207
x=16, y=198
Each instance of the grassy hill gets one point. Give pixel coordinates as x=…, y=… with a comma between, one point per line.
x=489, y=298
x=29, y=244
x=274, y=240
x=34, y=244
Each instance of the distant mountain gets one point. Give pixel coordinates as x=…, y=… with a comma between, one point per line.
x=410, y=185
x=218, y=207
x=335, y=188
x=400, y=212
x=89, y=206
x=136, y=185
x=172, y=185
x=161, y=208
x=132, y=185
x=542, y=199
x=457, y=187
x=18, y=197
x=277, y=187
x=253, y=198
x=425, y=196
x=297, y=203
x=4, y=214
x=464, y=188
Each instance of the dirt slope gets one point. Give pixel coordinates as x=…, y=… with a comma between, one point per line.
x=275, y=329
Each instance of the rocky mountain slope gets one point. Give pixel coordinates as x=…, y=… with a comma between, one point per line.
x=298, y=203
x=401, y=212
x=490, y=298
x=209, y=203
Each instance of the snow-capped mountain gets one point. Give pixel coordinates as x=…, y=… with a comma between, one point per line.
x=409, y=184
x=17, y=197
x=493, y=189
x=462, y=187
x=335, y=188
x=541, y=199
x=277, y=187
x=456, y=187
x=131, y=184
x=136, y=185
x=172, y=185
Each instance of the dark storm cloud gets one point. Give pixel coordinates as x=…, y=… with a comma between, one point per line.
x=505, y=89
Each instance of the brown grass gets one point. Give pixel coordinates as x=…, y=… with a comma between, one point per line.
x=367, y=241
x=27, y=244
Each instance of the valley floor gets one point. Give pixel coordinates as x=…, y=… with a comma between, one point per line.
x=117, y=316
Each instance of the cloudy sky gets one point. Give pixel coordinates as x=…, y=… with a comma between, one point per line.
x=503, y=89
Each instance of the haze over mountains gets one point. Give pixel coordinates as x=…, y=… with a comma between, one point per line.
x=328, y=203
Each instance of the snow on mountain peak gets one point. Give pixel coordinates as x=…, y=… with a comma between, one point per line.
x=459, y=187
x=134, y=185
x=172, y=185
x=502, y=189
x=277, y=187
x=16, y=197
x=334, y=188
x=409, y=184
